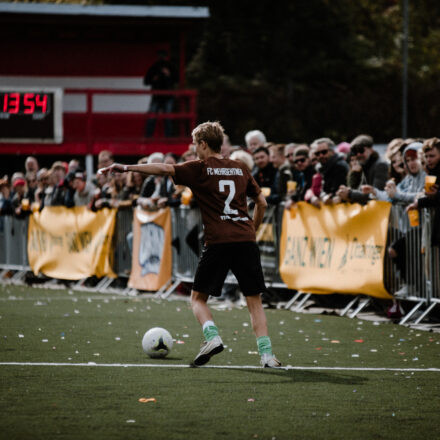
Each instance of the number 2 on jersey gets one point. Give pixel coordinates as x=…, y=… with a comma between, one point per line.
x=222, y=187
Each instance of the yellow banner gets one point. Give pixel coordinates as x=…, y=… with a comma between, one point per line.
x=71, y=243
x=335, y=249
x=151, y=260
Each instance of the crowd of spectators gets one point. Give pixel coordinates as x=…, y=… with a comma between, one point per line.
x=322, y=173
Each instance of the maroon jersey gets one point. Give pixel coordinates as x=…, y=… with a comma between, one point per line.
x=220, y=187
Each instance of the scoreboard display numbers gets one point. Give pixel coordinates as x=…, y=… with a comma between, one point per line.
x=31, y=115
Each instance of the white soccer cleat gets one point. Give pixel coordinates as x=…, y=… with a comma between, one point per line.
x=270, y=361
x=208, y=349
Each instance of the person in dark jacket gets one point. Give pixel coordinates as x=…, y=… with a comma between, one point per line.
x=161, y=76
x=431, y=150
x=304, y=172
x=375, y=170
x=264, y=172
x=333, y=168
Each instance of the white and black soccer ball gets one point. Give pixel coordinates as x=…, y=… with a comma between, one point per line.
x=157, y=342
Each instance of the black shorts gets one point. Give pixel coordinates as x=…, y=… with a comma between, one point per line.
x=242, y=258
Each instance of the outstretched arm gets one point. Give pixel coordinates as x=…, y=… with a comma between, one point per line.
x=156, y=169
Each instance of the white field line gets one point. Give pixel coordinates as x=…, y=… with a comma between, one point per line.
x=230, y=367
x=101, y=297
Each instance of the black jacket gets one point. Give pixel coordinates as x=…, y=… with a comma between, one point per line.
x=334, y=174
x=376, y=173
x=266, y=176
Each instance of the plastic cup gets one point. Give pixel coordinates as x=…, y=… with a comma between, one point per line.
x=25, y=205
x=35, y=207
x=266, y=191
x=186, y=196
x=430, y=182
x=291, y=185
x=413, y=216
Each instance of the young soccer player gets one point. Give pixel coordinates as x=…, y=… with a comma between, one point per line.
x=220, y=186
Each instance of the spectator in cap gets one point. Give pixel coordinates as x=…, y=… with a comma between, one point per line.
x=84, y=191
x=20, y=202
x=374, y=169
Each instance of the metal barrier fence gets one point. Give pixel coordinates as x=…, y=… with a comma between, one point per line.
x=122, y=242
x=187, y=233
x=13, y=243
x=420, y=271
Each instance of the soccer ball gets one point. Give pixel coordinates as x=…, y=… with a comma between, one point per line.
x=157, y=342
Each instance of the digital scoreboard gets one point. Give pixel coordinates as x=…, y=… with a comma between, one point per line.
x=31, y=115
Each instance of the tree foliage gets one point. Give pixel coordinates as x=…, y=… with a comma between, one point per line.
x=303, y=69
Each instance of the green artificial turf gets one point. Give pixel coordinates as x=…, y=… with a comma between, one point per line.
x=89, y=402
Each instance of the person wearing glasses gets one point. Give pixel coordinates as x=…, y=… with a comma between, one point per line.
x=304, y=171
x=374, y=169
x=332, y=167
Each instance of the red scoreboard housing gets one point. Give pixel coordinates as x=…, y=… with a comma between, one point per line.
x=71, y=80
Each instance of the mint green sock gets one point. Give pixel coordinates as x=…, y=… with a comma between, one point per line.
x=264, y=345
x=210, y=332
